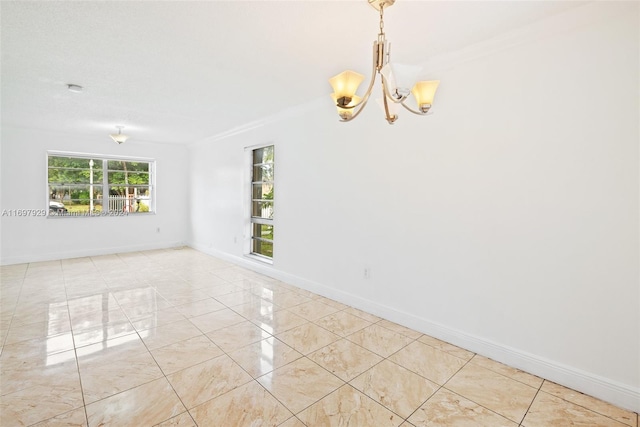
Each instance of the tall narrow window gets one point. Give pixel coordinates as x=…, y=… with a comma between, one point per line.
x=262, y=202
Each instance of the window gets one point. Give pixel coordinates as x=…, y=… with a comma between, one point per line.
x=87, y=185
x=262, y=201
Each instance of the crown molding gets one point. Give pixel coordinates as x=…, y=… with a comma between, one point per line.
x=285, y=114
x=565, y=22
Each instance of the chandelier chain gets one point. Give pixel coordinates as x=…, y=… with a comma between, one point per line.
x=381, y=19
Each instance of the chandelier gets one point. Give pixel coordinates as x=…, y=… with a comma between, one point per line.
x=396, y=80
x=119, y=137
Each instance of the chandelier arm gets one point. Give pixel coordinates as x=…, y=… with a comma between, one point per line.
x=362, y=103
x=365, y=98
x=354, y=115
x=418, y=112
x=388, y=116
x=389, y=95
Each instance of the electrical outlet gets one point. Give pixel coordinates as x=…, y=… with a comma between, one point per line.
x=158, y=230
x=367, y=273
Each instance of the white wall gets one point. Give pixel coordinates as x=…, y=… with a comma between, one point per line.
x=24, y=175
x=507, y=222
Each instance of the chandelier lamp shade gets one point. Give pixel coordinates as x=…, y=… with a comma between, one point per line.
x=397, y=81
x=119, y=137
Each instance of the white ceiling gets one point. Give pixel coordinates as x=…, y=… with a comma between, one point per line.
x=181, y=71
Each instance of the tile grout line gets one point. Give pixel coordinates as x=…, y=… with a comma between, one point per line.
x=11, y=322
x=531, y=403
x=477, y=403
x=13, y=312
x=368, y=369
x=75, y=350
x=139, y=337
x=225, y=354
x=164, y=375
x=582, y=406
x=440, y=387
x=275, y=337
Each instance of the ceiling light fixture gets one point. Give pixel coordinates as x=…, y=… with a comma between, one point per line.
x=119, y=137
x=396, y=79
x=75, y=88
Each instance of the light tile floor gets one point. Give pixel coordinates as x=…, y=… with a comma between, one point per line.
x=178, y=338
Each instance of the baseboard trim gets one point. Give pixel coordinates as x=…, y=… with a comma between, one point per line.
x=80, y=253
x=621, y=395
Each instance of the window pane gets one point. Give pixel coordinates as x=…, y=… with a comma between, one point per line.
x=262, y=230
x=129, y=204
x=129, y=190
x=129, y=198
x=74, y=163
x=262, y=210
x=262, y=173
x=73, y=176
x=263, y=155
x=75, y=198
x=135, y=178
x=263, y=191
x=69, y=170
x=121, y=165
x=263, y=248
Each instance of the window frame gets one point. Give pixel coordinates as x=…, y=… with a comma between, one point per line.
x=104, y=158
x=249, y=201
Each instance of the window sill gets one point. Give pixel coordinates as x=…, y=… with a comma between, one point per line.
x=259, y=258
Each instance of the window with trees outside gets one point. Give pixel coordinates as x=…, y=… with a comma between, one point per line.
x=89, y=185
x=262, y=202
